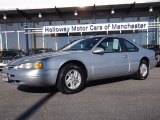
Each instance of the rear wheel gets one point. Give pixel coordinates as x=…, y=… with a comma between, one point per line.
x=143, y=71
x=71, y=79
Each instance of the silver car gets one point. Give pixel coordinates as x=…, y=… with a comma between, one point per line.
x=81, y=61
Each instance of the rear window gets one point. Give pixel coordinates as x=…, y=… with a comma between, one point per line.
x=130, y=47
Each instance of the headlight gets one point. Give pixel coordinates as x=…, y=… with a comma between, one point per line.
x=36, y=65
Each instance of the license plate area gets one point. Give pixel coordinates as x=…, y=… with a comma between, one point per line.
x=4, y=77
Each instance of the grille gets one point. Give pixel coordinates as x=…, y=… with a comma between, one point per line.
x=1, y=67
x=10, y=67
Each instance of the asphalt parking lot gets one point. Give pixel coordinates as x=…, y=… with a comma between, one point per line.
x=110, y=99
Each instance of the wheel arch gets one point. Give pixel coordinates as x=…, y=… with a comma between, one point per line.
x=146, y=59
x=138, y=75
x=76, y=62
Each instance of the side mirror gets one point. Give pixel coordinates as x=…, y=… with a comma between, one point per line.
x=98, y=50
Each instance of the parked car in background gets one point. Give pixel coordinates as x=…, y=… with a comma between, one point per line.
x=83, y=60
x=7, y=55
x=33, y=51
x=156, y=49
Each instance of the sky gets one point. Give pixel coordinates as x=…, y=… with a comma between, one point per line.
x=37, y=4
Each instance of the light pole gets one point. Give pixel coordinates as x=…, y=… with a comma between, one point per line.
x=26, y=38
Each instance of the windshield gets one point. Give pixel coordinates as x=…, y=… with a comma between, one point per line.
x=7, y=54
x=83, y=44
x=38, y=51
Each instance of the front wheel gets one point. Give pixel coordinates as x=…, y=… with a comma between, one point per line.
x=143, y=70
x=71, y=79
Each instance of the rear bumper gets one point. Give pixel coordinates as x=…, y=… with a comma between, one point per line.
x=32, y=77
x=152, y=64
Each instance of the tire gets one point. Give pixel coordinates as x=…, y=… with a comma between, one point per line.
x=71, y=79
x=143, y=71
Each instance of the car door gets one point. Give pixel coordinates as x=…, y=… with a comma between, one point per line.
x=133, y=56
x=113, y=62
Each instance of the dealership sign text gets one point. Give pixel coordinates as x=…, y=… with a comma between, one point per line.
x=96, y=27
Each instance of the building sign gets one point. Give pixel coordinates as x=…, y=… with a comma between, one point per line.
x=96, y=27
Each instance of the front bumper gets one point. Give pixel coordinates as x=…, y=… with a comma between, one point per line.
x=152, y=63
x=32, y=77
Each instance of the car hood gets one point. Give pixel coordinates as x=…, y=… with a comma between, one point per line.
x=40, y=57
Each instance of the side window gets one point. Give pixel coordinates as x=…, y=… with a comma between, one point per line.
x=110, y=45
x=130, y=47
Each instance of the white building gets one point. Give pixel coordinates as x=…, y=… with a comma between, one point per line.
x=15, y=14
